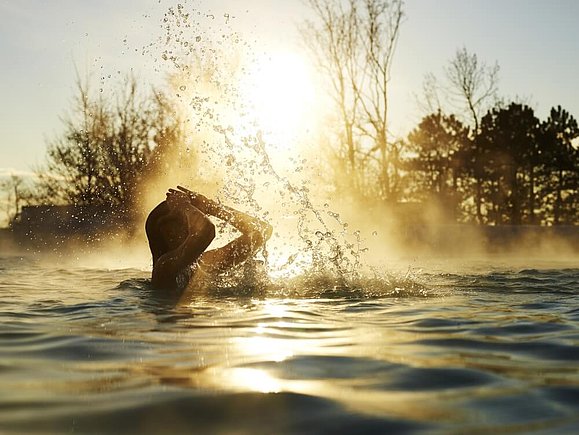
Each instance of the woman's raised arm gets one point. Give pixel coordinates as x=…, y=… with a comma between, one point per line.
x=254, y=233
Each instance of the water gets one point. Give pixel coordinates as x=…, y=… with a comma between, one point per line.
x=447, y=348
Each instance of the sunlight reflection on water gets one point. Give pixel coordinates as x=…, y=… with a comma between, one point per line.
x=483, y=348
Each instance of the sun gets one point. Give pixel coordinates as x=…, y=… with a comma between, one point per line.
x=281, y=93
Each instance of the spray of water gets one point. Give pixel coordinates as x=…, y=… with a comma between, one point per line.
x=312, y=247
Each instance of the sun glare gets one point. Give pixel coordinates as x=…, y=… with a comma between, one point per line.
x=254, y=380
x=281, y=92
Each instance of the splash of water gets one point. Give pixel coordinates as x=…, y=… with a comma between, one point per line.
x=323, y=245
x=206, y=76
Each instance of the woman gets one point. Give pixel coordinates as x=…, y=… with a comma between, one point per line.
x=179, y=232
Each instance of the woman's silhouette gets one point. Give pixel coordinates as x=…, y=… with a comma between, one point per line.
x=179, y=232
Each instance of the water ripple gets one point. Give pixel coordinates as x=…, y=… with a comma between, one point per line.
x=487, y=349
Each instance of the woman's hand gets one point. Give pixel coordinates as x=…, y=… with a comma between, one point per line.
x=196, y=199
x=177, y=201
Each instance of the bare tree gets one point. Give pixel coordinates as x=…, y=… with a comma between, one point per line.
x=473, y=83
x=430, y=101
x=335, y=42
x=73, y=159
x=17, y=194
x=354, y=44
x=381, y=31
x=469, y=90
x=108, y=147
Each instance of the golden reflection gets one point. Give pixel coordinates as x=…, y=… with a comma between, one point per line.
x=274, y=309
x=254, y=380
x=273, y=356
x=266, y=348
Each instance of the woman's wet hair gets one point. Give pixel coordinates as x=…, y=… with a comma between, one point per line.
x=158, y=242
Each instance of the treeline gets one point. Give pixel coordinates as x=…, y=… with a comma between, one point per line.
x=472, y=157
x=515, y=170
x=479, y=161
x=109, y=148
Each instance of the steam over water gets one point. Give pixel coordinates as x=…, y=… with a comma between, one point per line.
x=444, y=348
x=317, y=342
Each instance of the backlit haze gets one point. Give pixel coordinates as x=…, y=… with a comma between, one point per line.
x=383, y=302
x=42, y=43
x=264, y=85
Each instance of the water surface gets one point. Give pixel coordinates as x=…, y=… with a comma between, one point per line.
x=475, y=347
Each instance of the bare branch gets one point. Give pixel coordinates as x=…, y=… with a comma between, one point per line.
x=354, y=43
x=473, y=83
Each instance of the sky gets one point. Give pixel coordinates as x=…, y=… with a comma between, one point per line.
x=44, y=44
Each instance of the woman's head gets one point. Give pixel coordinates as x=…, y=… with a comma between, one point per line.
x=166, y=230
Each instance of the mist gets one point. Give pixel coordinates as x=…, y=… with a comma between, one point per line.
x=326, y=208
